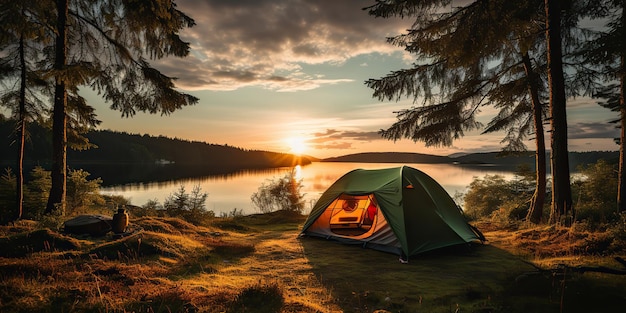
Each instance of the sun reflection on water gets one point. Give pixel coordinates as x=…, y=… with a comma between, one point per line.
x=227, y=192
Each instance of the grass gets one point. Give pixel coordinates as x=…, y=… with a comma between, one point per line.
x=365, y=280
x=257, y=263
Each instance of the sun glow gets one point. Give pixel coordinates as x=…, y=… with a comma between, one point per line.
x=297, y=145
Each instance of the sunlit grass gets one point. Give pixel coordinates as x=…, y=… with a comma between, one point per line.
x=168, y=265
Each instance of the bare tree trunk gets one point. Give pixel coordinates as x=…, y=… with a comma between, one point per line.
x=561, y=189
x=621, y=188
x=56, y=200
x=19, y=182
x=535, y=211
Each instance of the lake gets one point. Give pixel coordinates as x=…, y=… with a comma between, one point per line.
x=229, y=191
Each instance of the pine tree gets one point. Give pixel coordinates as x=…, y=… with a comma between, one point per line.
x=471, y=66
x=561, y=189
x=457, y=47
x=24, y=86
x=105, y=45
x=604, y=59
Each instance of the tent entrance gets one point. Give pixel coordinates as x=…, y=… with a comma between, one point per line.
x=353, y=215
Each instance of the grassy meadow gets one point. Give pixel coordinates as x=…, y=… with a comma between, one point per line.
x=258, y=263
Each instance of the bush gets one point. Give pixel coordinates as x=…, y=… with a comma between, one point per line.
x=151, y=208
x=36, y=193
x=81, y=192
x=618, y=233
x=495, y=197
x=280, y=194
x=487, y=195
x=8, y=199
x=190, y=207
x=233, y=213
x=595, y=193
x=52, y=220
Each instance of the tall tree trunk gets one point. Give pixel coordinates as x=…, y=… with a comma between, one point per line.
x=19, y=182
x=56, y=200
x=536, y=205
x=621, y=188
x=561, y=189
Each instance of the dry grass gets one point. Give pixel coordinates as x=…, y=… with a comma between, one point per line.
x=258, y=264
x=166, y=265
x=550, y=245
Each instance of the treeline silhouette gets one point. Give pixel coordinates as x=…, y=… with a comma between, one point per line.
x=121, y=157
x=508, y=161
x=576, y=158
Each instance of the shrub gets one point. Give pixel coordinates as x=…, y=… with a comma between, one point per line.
x=497, y=198
x=81, y=192
x=487, y=195
x=36, y=193
x=280, y=194
x=618, y=232
x=52, y=220
x=233, y=213
x=595, y=193
x=151, y=208
x=190, y=207
x=8, y=200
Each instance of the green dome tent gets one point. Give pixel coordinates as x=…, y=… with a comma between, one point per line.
x=399, y=210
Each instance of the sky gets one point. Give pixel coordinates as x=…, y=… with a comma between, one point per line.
x=289, y=76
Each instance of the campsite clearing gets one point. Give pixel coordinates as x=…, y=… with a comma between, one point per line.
x=257, y=263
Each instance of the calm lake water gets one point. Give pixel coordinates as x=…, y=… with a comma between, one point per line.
x=226, y=192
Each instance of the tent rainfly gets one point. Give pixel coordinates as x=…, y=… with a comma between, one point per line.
x=399, y=210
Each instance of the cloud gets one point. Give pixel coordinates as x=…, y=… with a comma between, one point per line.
x=253, y=43
x=592, y=130
x=362, y=136
x=340, y=139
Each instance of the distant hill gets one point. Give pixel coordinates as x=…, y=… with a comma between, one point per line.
x=496, y=158
x=576, y=159
x=390, y=157
x=133, y=149
x=475, y=159
x=124, y=148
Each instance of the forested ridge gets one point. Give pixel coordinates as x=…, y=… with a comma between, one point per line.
x=491, y=158
x=120, y=147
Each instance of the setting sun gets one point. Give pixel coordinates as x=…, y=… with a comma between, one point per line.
x=297, y=145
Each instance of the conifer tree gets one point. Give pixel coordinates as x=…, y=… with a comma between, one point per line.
x=604, y=60
x=461, y=53
x=22, y=39
x=620, y=29
x=106, y=45
x=448, y=72
x=561, y=189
